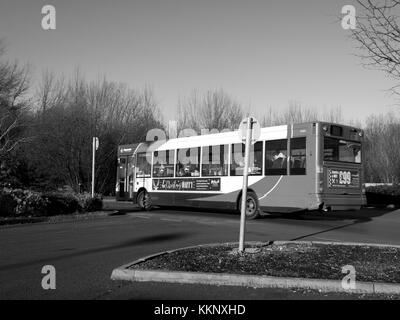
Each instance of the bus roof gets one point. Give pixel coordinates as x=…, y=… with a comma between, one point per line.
x=212, y=139
x=269, y=133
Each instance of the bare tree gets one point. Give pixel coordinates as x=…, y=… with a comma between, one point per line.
x=213, y=110
x=71, y=113
x=378, y=35
x=51, y=91
x=381, y=152
x=296, y=113
x=14, y=83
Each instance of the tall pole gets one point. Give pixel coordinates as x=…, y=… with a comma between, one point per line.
x=93, y=163
x=245, y=182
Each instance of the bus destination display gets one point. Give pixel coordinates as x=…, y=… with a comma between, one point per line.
x=343, y=178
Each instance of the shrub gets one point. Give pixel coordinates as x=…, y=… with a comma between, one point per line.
x=21, y=202
x=393, y=189
x=18, y=202
x=7, y=204
x=60, y=203
x=383, y=195
x=89, y=204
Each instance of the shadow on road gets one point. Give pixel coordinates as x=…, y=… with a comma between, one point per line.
x=199, y=210
x=122, y=212
x=153, y=239
x=358, y=216
x=329, y=229
x=131, y=243
x=365, y=214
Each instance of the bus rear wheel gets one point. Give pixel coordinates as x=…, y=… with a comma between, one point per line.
x=252, y=206
x=144, y=200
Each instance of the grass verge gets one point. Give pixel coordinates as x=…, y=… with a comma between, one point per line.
x=298, y=260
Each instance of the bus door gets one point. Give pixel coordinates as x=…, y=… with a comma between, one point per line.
x=122, y=173
x=142, y=171
x=131, y=175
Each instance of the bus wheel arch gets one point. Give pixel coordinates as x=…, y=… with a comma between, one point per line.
x=143, y=199
x=253, y=204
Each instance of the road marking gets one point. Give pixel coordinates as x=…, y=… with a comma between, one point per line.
x=142, y=217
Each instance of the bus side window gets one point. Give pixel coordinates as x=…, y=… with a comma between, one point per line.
x=143, y=166
x=188, y=162
x=298, y=156
x=237, y=159
x=276, y=157
x=215, y=161
x=163, y=165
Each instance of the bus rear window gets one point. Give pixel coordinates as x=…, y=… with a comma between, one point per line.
x=342, y=150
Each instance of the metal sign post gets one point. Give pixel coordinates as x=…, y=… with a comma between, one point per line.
x=249, y=131
x=95, y=147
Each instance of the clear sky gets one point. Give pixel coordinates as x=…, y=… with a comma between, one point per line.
x=263, y=53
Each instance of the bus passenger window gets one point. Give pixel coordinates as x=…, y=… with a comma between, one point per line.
x=215, y=161
x=255, y=163
x=298, y=156
x=188, y=162
x=276, y=157
x=163, y=163
x=143, y=166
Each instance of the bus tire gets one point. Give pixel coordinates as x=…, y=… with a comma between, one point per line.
x=147, y=201
x=252, y=206
x=140, y=200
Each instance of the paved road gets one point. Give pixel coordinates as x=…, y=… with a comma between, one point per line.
x=85, y=252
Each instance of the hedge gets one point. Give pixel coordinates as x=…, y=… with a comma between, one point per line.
x=383, y=195
x=18, y=202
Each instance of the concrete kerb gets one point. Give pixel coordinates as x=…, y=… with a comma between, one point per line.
x=255, y=281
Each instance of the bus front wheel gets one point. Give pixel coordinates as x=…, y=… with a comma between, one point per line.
x=252, y=206
x=144, y=200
